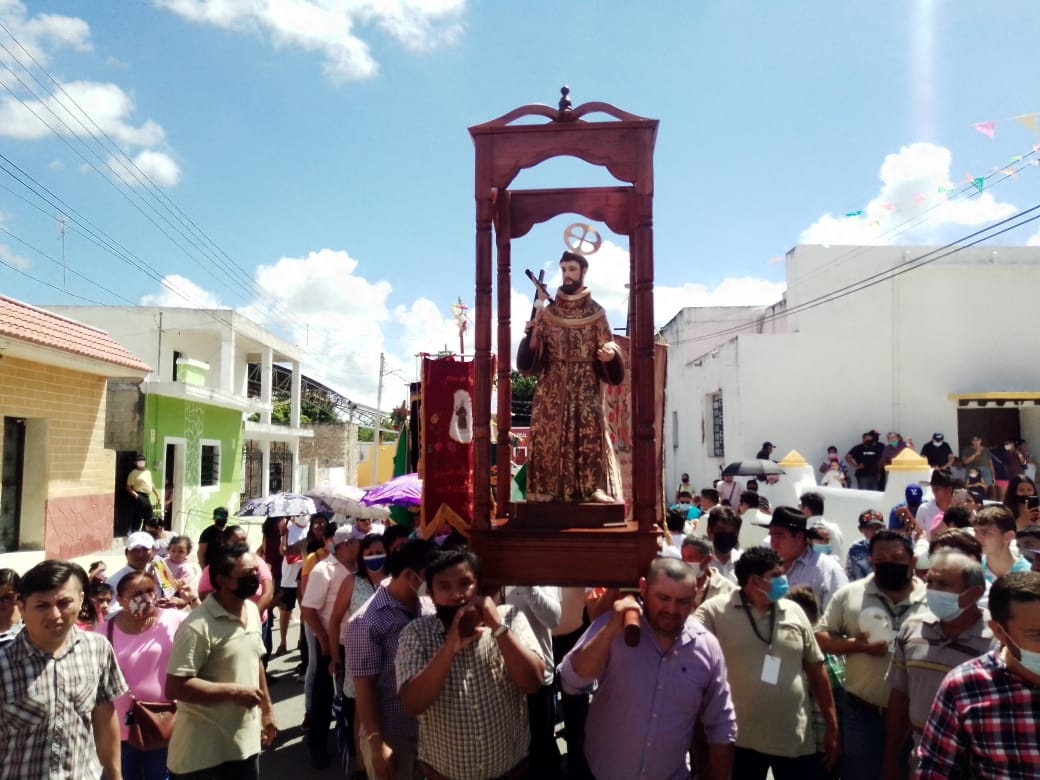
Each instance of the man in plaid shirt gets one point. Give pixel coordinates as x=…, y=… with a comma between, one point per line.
x=58, y=685
x=465, y=673
x=983, y=722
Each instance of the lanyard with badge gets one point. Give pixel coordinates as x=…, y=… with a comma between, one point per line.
x=770, y=663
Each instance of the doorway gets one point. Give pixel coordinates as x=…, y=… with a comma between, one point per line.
x=994, y=424
x=173, y=485
x=11, y=471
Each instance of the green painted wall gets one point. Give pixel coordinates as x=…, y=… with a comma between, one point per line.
x=193, y=422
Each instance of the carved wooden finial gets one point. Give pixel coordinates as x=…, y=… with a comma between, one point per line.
x=565, y=103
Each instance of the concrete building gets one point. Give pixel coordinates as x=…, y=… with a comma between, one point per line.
x=892, y=338
x=58, y=485
x=206, y=428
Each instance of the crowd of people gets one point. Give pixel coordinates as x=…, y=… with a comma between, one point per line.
x=910, y=652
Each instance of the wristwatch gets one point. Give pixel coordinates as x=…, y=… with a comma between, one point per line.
x=502, y=628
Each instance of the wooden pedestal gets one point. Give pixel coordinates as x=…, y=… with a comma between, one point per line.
x=558, y=515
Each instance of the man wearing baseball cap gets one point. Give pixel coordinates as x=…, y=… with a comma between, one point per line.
x=791, y=536
x=897, y=516
x=858, y=564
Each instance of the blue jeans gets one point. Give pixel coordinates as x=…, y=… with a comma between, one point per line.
x=863, y=741
x=143, y=764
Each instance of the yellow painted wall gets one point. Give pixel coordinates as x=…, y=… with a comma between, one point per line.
x=65, y=455
x=386, y=466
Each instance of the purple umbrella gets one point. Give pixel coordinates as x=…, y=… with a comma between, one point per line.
x=405, y=490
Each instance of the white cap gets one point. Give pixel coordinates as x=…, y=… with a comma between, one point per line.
x=344, y=533
x=139, y=540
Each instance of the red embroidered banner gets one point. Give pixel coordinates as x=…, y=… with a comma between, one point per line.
x=446, y=459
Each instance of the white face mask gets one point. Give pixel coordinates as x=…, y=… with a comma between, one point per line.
x=302, y=521
x=697, y=570
x=1030, y=659
x=944, y=605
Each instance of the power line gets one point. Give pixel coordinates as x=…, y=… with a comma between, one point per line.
x=906, y=266
x=187, y=228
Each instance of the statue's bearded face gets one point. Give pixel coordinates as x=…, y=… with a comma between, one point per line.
x=573, y=276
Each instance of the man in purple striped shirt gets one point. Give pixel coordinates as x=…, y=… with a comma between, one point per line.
x=649, y=697
x=389, y=736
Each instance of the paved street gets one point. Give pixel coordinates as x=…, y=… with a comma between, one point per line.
x=289, y=757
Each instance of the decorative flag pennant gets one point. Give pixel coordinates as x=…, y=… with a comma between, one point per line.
x=979, y=183
x=888, y=206
x=1036, y=146
x=775, y=260
x=1008, y=172
x=919, y=198
x=988, y=129
x=1027, y=121
x=855, y=213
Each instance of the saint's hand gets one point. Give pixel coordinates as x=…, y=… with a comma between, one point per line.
x=604, y=354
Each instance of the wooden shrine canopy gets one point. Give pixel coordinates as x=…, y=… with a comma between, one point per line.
x=547, y=552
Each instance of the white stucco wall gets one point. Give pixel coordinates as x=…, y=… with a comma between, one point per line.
x=887, y=357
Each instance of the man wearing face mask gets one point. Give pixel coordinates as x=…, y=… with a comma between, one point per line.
x=389, y=736
x=723, y=531
x=211, y=534
x=216, y=676
x=861, y=623
x=952, y=631
x=775, y=669
x=142, y=490
x=465, y=673
x=984, y=714
x=699, y=554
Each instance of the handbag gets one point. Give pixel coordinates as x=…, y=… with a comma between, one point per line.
x=149, y=723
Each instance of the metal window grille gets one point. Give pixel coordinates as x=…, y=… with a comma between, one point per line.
x=210, y=458
x=717, y=433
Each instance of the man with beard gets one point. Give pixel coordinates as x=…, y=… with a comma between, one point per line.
x=650, y=696
x=569, y=346
x=211, y=535
x=861, y=623
x=465, y=673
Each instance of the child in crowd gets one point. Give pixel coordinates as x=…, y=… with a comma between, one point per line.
x=178, y=560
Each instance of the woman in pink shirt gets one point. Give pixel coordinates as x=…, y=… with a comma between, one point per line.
x=142, y=635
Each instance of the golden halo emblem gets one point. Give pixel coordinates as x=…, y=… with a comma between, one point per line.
x=582, y=239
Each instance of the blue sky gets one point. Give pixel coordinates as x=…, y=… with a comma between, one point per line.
x=322, y=146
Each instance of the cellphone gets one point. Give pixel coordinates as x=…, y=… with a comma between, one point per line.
x=1033, y=502
x=468, y=624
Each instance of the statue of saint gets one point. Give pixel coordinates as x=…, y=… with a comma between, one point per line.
x=569, y=346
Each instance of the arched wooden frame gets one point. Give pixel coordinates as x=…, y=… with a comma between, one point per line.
x=624, y=145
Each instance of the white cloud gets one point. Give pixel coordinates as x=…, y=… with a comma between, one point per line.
x=608, y=279
x=1034, y=240
x=157, y=167
x=107, y=108
x=179, y=291
x=37, y=35
x=328, y=27
x=918, y=203
x=324, y=304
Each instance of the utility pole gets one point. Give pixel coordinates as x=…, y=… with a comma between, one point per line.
x=64, y=268
x=379, y=420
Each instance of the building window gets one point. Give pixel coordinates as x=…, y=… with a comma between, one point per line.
x=210, y=462
x=675, y=430
x=717, y=436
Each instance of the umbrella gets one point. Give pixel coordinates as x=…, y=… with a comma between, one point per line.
x=752, y=468
x=405, y=490
x=346, y=500
x=277, y=505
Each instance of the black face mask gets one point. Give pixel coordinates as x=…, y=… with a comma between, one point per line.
x=447, y=613
x=246, y=585
x=891, y=576
x=724, y=542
